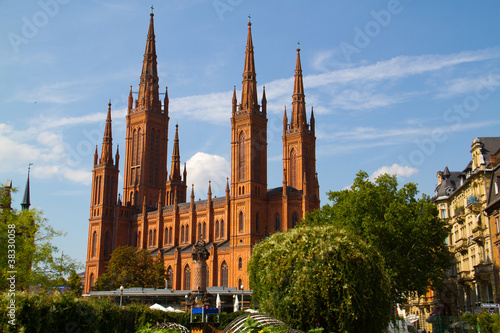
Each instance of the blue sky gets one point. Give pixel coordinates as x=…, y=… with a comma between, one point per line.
x=397, y=86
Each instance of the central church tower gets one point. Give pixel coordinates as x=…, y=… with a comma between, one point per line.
x=147, y=133
x=248, y=160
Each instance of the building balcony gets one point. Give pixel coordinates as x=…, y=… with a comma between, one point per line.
x=464, y=277
x=462, y=245
x=473, y=204
x=478, y=235
x=483, y=271
x=460, y=217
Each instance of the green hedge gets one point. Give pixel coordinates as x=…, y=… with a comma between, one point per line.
x=67, y=313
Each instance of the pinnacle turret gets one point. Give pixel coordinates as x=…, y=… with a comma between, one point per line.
x=107, y=141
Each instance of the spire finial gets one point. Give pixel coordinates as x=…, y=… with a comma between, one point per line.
x=152, y=9
x=249, y=17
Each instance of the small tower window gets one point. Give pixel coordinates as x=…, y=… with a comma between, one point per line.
x=241, y=221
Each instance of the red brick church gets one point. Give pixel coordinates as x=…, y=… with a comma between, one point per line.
x=156, y=213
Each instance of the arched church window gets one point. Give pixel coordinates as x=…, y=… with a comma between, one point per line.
x=170, y=277
x=277, y=221
x=106, y=244
x=241, y=221
x=242, y=156
x=295, y=219
x=224, y=271
x=187, y=278
x=293, y=169
x=94, y=244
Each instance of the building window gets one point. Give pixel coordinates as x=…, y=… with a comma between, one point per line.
x=139, y=239
x=199, y=231
x=91, y=281
x=241, y=221
x=257, y=222
x=106, y=245
x=170, y=277
x=94, y=244
x=204, y=230
x=293, y=169
x=277, y=222
x=222, y=234
x=170, y=236
x=295, y=219
x=240, y=263
x=182, y=234
x=242, y=161
x=135, y=241
x=187, y=234
x=217, y=235
x=208, y=276
x=240, y=285
x=154, y=237
x=187, y=278
x=497, y=224
x=150, y=237
x=224, y=274
x=166, y=236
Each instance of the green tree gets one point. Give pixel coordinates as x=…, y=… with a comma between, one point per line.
x=130, y=267
x=405, y=229
x=75, y=284
x=26, y=237
x=321, y=276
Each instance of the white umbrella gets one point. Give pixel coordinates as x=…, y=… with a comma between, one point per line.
x=236, y=304
x=217, y=302
x=157, y=306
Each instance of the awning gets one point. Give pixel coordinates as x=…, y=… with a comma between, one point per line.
x=437, y=312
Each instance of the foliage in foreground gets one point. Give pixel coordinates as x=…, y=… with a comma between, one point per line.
x=67, y=313
x=321, y=277
x=27, y=248
x=405, y=229
x=484, y=323
x=130, y=267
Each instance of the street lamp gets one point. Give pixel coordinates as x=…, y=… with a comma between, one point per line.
x=242, y=286
x=186, y=298
x=121, y=295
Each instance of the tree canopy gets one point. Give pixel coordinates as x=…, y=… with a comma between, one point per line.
x=321, y=276
x=131, y=267
x=405, y=229
x=26, y=243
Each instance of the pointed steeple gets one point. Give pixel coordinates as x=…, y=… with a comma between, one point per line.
x=166, y=101
x=175, y=171
x=312, y=122
x=249, y=89
x=130, y=100
x=235, y=101
x=299, y=103
x=285, y=121
x=107, y=141
x=25, y=204
x=264, y=100
x=148, y=88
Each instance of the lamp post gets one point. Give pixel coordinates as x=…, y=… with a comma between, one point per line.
x=186, y=299
x=242, y=286
x=121, y=295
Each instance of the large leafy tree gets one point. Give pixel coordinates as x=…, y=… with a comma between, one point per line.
x=403, y=227
x=130, y=267
x=33, y=259
x=321, y=277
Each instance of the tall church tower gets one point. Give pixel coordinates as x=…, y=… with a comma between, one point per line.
x=248, y=161
x=299, y=146
x=147, y=135
x=102, y=205
x=176, y=188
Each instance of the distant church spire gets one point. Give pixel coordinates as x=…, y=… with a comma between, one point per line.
x=299, y=103
x=175, y=172
x=148, y=88
x=249, y=89
x=25, y=204
x=107, y=141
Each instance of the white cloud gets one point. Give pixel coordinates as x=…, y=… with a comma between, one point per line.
x=202, y=168
x=466, y=85
x=395, y=169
